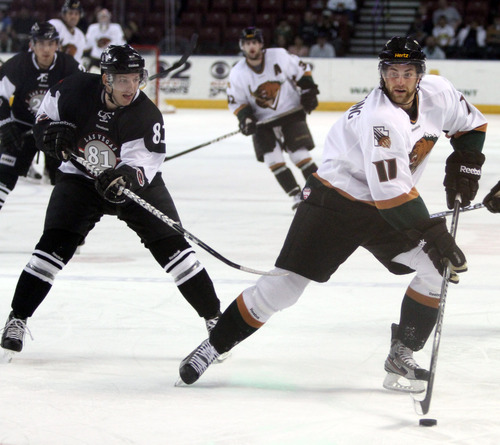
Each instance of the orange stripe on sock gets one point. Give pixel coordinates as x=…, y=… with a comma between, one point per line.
x=245, y=314
x=422, y=299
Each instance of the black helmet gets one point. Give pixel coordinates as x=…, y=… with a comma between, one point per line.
x=251, y=33
x=403, y=50
x=44, y=31
x=122, y=59
x=72, y=4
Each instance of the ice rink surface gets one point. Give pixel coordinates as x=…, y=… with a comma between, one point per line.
x=108, y=340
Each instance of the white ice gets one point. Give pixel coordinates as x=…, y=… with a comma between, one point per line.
x=109, y=337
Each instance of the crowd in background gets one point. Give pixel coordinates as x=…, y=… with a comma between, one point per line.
x=16, y=23
x=458, y=30
x=446, y=29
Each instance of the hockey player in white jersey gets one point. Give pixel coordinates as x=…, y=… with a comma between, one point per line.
x=264, y=85
x=100, y=35
x=364, y=194
x=72, y=37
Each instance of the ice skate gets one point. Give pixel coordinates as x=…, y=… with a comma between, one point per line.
x=13, y=336
x=403, y=372
x=210, y=323
x=196, y=363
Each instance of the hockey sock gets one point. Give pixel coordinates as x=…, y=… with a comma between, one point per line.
x=308, y=167
x=7, y=184
x=200, y=294
x=231, y=328
x=416, y=323
x=285, y=178
x=29, y=294
x=4, y=191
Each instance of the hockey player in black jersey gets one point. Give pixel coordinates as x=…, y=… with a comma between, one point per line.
x=26, y=77
x=117, y=128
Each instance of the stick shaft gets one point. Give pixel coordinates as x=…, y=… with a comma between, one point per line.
x=422, y=406
x=170, y=222
x=213, y=141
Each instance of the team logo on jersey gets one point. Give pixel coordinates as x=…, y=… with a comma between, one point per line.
x=306, y=192
x=105, y=116
x=381, y=137
x=34, y=100
x=421, y=149
x=43, y=78
x=267, y=94
x=100, y=151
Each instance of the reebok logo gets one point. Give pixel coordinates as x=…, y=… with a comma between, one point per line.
x=470, y=171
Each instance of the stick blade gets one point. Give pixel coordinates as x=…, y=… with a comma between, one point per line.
x=189, y=50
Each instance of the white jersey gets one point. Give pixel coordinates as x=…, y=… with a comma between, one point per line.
x=272, y=90
x=376, y=154
x=100, y=37
x=72, y=42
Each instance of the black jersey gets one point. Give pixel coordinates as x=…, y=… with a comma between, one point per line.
x=22, y=78
x=133, y=134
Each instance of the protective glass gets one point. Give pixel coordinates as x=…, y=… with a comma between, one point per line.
x=397, y=75
x=128, y=82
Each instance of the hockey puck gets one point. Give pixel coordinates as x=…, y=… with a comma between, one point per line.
x=428, y=422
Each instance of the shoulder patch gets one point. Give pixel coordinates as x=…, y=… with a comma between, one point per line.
x=381, y=137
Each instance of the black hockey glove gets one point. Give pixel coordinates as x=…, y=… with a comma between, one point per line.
x=108, y=184
x=309, y=99
x=463, y=170
x=492, y=199
x=59, y=140
x=248, y=125
x=10, y=136
x=248, y=121
x=440, y=246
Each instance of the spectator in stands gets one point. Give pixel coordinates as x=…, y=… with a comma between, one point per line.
x=493, y=39
x=21, y=28
x=5, y=22
x=424, y=12
x=131, y=33
x=72, y=38
x=345, y=7
x=417, y=30
x=471, y=40
x=6, y=43
x=451, y=13
x=328, y=26
x=322, y=48
x=285, y=30
x=280, y=42
x=298, y=48
x=443, y=32
x=308, y=28
x=102, y=34
x=432, y=50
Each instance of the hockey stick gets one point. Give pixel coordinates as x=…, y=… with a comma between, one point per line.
x=274, y=119
x=189, y=50
x=422, y=406
x=476, y=206
x=220, y=138
x=189, y=150
x=170, y=222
